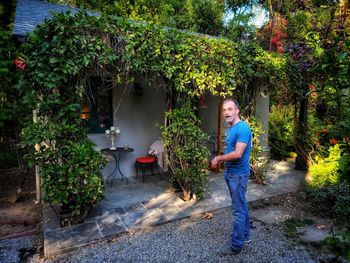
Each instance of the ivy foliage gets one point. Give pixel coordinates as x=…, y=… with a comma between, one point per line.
x=58, y=56
x=68, y=46
x=205, y=16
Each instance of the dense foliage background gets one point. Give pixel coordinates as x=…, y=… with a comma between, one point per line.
x=301, y=53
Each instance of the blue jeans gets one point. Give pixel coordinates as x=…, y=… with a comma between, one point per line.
x=237, y=185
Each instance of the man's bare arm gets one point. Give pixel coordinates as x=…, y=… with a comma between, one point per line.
x=232, y=156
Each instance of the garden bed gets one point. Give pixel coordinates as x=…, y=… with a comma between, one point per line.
x=19, y=215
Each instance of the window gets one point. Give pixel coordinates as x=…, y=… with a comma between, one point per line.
x=97, y=108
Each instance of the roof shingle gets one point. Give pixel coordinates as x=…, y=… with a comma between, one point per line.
x=30, y=13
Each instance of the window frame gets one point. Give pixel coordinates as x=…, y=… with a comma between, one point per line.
x=93, y=99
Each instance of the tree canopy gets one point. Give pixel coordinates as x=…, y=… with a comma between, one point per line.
x=204, y=16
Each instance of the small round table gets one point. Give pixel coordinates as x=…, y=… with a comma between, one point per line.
x=117, y=154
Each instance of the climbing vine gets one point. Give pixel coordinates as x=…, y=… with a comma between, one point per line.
x=60, y=55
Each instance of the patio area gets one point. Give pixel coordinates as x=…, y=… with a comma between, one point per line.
x=137, y=205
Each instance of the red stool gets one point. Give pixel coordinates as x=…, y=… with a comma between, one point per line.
x=144, y=163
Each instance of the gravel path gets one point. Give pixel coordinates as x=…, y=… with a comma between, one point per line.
x=187, y=240
x=15, y=250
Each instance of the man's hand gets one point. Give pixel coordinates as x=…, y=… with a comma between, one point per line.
x=232, y=156
x=215, y=161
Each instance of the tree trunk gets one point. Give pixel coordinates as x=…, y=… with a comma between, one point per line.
x=186, y=195
x=302, y=150
x=186, y=189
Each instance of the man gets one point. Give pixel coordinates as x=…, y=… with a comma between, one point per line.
x=237, y=170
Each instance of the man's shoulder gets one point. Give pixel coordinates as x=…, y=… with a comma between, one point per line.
x=244, y=124
x=241, y=128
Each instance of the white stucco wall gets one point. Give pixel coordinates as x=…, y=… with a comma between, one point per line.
x=138, y=118
x=208, y=115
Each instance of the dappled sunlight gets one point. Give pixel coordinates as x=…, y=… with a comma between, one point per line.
x=164, y=199
x=137, y=205
x=282, y=165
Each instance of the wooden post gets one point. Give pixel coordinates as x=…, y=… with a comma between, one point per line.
x=37, y=168
x=219, y=131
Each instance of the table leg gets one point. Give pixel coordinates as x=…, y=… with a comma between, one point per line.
x=114, y=170
x=123, y=176
x=117, y=157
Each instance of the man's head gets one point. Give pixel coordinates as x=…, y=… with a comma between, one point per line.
x=231, y=110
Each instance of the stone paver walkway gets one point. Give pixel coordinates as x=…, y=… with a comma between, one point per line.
x=141, y=205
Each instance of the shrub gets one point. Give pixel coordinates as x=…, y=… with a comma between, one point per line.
x=343, y=132
x=344, y=167
x=325, y=171
x=333, y=201
x=319, y=135
x=281, y=129
x=326, y=190
x=339, y=244
x=258, y=162
x=71, y=175
x=186, y=151
x=70, y=168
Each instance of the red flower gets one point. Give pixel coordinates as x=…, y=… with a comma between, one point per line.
x=274, y=40
x=20, y=63
x=280, y=49
x=312, y=89
x=333, y=141
x=324, y=130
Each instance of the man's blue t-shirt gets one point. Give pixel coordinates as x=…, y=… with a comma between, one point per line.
x=240, y=132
